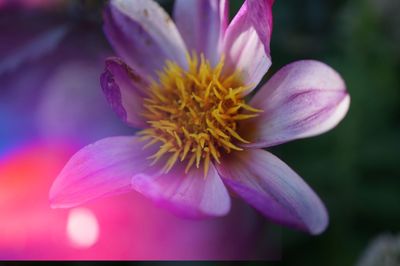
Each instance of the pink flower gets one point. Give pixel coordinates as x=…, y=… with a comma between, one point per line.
x=184, y=85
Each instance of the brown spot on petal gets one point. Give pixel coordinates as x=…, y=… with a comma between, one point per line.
x=135, y=77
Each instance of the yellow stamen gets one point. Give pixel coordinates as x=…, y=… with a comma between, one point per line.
x=206, y=162
x=193, y=114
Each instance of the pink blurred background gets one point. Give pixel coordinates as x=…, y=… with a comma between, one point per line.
x=120, y=227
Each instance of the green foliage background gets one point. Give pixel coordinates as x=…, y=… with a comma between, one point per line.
x=355, y=167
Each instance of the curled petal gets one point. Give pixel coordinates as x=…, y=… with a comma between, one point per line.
x=247, y=41
x=190, y=195
x=202, y=24
x=274, y=189
x=123, y=89
x=100, y=169
x=144, y=35
x=303, y=99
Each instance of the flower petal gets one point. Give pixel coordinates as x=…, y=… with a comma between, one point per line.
x=189, y=195
x=247, y=41
x=303, y=99
x=123, y=89
x=202, y=24
x=273, y=188
x=144, y=35
x=100, y=169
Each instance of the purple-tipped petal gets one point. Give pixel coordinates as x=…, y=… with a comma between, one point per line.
x=100, y=169
x=123, y=89
x=247, y=41
x=144, y=35
x=303, y=99
x=202, y=24
x=269, y=185
x=190, y=195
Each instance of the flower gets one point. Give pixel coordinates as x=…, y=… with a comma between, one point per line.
x=48, y=65
x=184, y=85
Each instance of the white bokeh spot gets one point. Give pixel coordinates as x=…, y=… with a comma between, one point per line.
x=82, y=228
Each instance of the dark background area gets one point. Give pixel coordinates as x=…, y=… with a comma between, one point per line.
x=355, y=167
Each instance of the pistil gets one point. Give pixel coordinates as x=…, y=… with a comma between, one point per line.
x=193, y=114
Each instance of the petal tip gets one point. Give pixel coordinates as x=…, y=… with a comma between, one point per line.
x=319, y=230
x=56, y=199
x=97, y=170
x=53, y=195
x=273, y=188
x=303, y=99
x=321, y=225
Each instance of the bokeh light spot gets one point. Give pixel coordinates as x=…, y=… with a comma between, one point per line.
x=82, y=228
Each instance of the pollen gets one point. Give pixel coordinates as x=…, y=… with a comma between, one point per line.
x=194, y=114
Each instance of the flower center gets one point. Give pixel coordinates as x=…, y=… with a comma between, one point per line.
x=193, y=114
